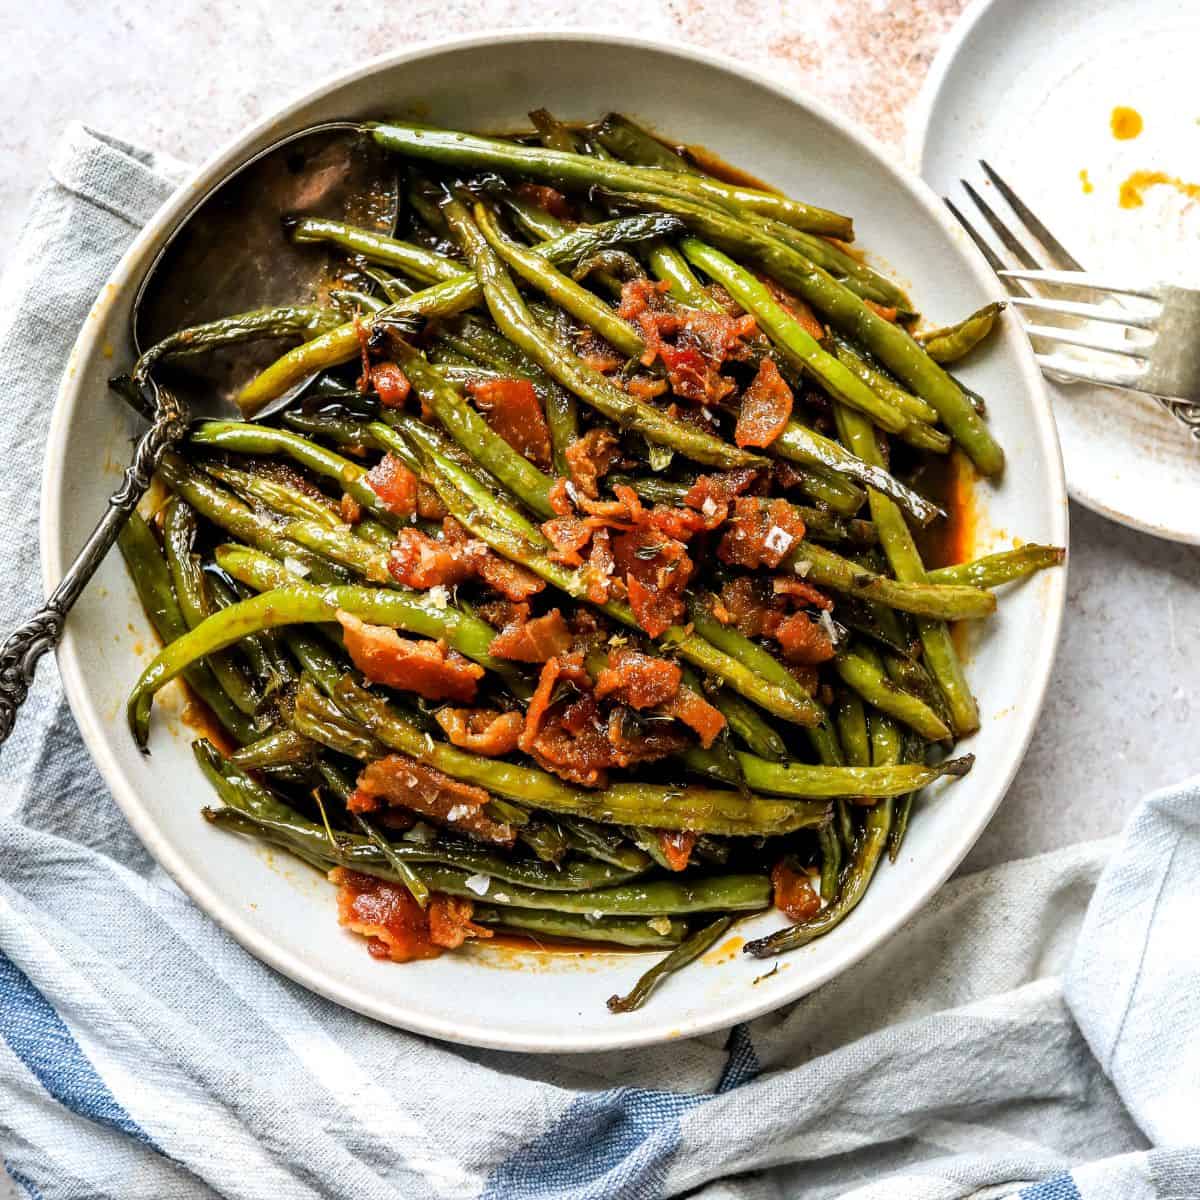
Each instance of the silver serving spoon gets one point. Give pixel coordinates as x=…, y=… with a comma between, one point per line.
x=228, y=254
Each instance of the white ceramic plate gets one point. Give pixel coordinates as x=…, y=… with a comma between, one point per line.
x=1030, y=86
x=284, y=913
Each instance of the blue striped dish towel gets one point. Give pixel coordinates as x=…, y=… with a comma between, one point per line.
x=1035, y=1031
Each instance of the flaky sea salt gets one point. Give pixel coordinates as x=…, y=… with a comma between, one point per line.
x=479, y=884
x=660, y=925
x=778, y=540
x=439, y=597
x=296, y=566
x=802, y=567
x=709, y=507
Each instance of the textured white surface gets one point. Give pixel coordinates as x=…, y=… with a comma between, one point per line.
x=1121, y=716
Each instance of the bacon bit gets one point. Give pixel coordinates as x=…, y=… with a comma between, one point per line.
x=481, y=730
x=760, y=534
x=568, y=536
x=720, y=489
x=581, y=758
x=560, y=497
x=785, y=476
x=743, y=607
x=423, y=667
x=418, y=561
x=795, y=307
x=642, y=295
x=513, y=581
x=548, y=199
x=513, y=410
x=385, y=914
x=597, y=352
x=810, y=680
x=803, y=592
x=360, y=802
x=656, y=570
x=579, y=753
x=535, y=641
x=600, y=566
x=794, y=892
x=406, y=783
x=638, y=679
x=429, y=503
x=364, y=349
x=349, y=509
x=804, y=641
x=766, y=407
x=697, y=714
x=886, y=311
x=503, y=613
x=645, y=387
x=631, y=744
x=450, y=921
x=395, y=485
x=676, y=848
x=391, y=384
x=590, y=458
x=568, y=668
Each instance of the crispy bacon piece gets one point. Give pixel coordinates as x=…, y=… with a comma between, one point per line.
x=645, y=387
x=513, y=581
x=513, y=410
x=803, y=641
x=760, y=534
x=565, y=735
x=600, y=567
x=450, y=921
x=560, y=497
x=535, y=641
x=638, y=679
x=597, y=352
x=568, y=669
x=418, y=561
x=642, y=295
x=697, y=714
x=546, y=198
x=424, y=667
x=482, y=730
x=793, y=305
x=390, y=384
x=503, y=613
x=385, y=914
x=395, y=485
x=590, y=458
x=742, y=605
x=404, y=782
x=349, y=509
x=886, y=311
x=568, y=536
x=766, y=407
x=429, y=503
x=801, y=592
x=676, y=847
x=656, y=570
x=794, y=892
x=634, y=742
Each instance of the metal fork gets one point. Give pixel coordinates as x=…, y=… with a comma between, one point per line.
x=1156, y=347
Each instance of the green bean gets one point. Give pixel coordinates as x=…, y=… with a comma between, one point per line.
x=897, y=542
x=911, y=675
x=416, y=261
x=475, y=435
x=148, y=570
x=617, y=931
x=750, y=726
x=516, y=322
x=352, y=304
x=876, y=689
x=647, y=841
x=179, y=537
x=268, y=661
x=888, y=342
x=318, y=719
x=244, y=438
x=340, y=545
x=686, y=952
x=343, y=430
x=449, y=148
x=913, y=750
x=790, y=337
x=800, y=444
x=995, y=569
x=225, y=510
x=668, y=265
x=570, y=296
x=584, y=837
x=912, y=406
x=233, y=331
x=301, y=603
x=282, y=746
x=830, y=845
x=405, y=872
x=953, y=342
x=857, y=875
x=825, y=782
x=702, y=809
x=442, y=300
x=279, y=496
x=950, y=602
x=851, y=720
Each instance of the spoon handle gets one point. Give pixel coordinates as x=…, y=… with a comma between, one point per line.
x=25, y=646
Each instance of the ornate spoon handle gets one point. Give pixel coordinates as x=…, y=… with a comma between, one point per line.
x=21, y=651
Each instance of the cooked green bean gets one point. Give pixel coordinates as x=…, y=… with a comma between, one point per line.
x=995, y=569
x=953, y=342
x=686, y=952
x=875, y=688
x=616, y=931
x=416, y=261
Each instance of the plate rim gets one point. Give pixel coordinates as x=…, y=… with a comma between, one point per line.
x=916, y=146
x=393, y=1011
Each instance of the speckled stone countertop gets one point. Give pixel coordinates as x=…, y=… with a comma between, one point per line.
x=1123, y=713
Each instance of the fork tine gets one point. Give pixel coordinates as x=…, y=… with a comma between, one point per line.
x=993, y=259
x=1002, y=231
x=1059, y=254
x=1091, y=372
x=1075, y=337
x=1087, y=312
x=1082, y=280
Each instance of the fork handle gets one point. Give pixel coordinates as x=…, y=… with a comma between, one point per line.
x=23, y=648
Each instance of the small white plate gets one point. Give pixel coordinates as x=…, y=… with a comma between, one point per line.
x=1030, y=86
